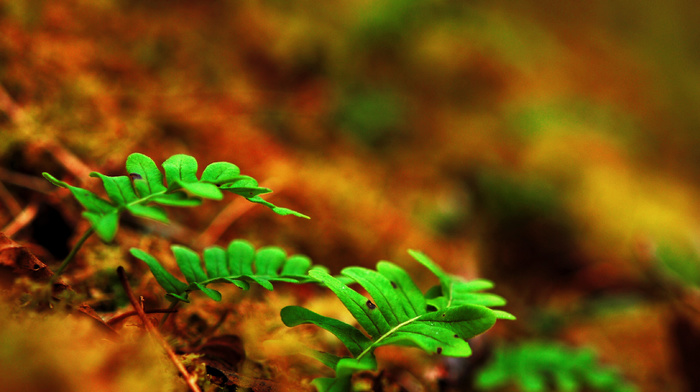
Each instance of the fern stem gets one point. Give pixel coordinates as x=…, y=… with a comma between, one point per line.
x=386, y=335
x=449, y=301
x=72, y=254
x=169, y=311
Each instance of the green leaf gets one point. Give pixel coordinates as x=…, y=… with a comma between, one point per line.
x=103, y=216
x=150, y=212
x=148, y=180
x=240, y=257
x=202, y=189
x=403, y=283
x=534, y=365
x=269, y=260
x=213, y=294
x=215, y=261
x=119, y=189
x=433, y=340
x=361, y=308
x=454, y=290
x=396, y=314
x=91, y=201
x=105, y=225
x=181, y=172
x=163, y=277
x=503, y=315
x=180, y=168
x=240, y=265
x=327, y=359
x=297, y=266
x=221, y=173
x=352, y=338
x=275, y=209
x=344, y=370
x=425, y=260
x=177, y=199
x=189, y=263
x=144, y=187
x=391, y=305
x=54, y=180
x=245, y=186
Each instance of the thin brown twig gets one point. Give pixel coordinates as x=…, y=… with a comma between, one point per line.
x=119, y=318
x=25, y=181
x=8, y=105
x=154, y=331
x=10, y=202
x=69, y=160
x=21, y=220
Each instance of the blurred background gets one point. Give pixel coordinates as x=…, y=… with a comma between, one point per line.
x=551, y=147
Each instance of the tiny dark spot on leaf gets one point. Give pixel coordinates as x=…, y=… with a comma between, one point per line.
x=439, y=350
x=135, y=176
x=457, y=336
x=393, y=285
x=443, y=315
x=35, y=267
x=371, y=305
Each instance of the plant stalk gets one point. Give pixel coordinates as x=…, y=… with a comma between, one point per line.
x=171, y=309
x=71, y=255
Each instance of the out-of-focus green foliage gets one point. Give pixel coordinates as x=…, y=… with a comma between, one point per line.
x=683, y=263
x=541, y=367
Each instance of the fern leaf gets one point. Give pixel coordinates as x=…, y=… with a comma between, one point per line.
x=351, y=337
x=344, y=369
x=102, y=215
x=144, y=187
x=166, y=280
x=181, y=172
x=221, y=173
x=240, y=265
x=532, y=366
x=148, y=180
x=396, y=314
x=455, y=290
x=119, y=188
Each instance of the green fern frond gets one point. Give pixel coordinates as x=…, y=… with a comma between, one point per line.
x=455, y=290
x=397, y=314
x=142, y=192
x=534, y=366
x=239, y=264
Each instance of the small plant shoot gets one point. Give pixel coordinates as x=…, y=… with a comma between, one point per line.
x=142, y=192
x=398, y=313
x=240, y=264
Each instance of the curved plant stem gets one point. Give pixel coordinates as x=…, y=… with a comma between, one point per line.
x=118, y=319
x=386, y=335
x=154, y=332
x=71, y=255
x=171, y=309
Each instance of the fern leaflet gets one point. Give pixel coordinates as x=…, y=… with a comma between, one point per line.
x=239, y=264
